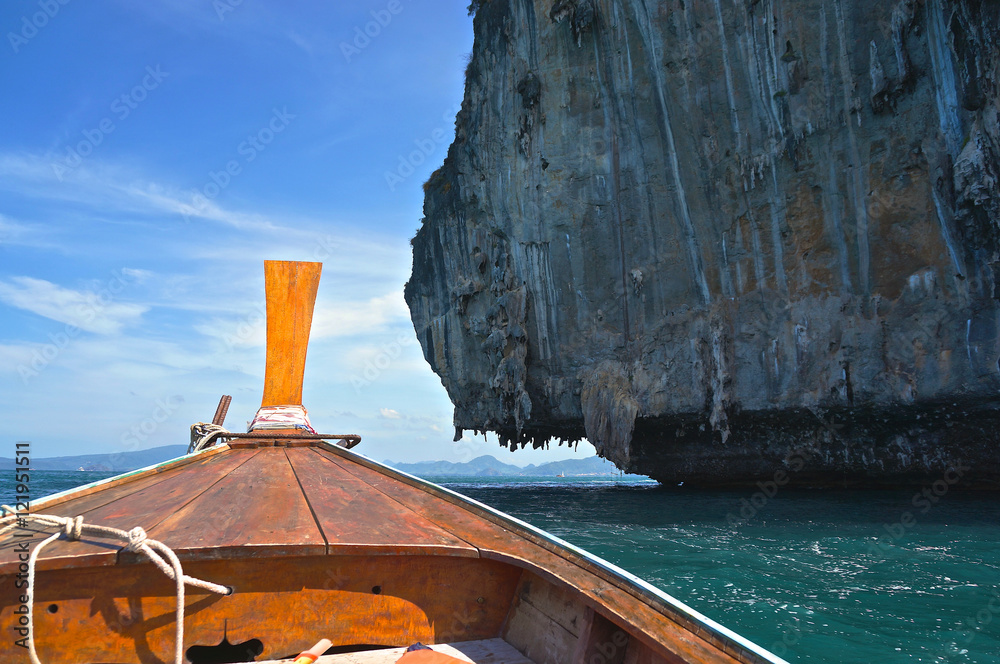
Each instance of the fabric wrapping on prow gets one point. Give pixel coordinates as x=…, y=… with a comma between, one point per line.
x=281, y=417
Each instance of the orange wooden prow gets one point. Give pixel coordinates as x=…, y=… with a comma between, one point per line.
x=291, y=296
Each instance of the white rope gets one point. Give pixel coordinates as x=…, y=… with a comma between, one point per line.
x=204, y=434
x=135, y=540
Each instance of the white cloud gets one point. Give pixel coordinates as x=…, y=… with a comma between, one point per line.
x=367, y=261
x=336, y=319
x=112, y=187
x=14, y=355
x=332, y=319
x=136, y=275
x=18, y=233
x=248, y=332
x=8, y=230
x=390, y=414
x=92, y=311
x=300, y=41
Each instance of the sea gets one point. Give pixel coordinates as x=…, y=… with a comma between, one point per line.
x=813, y=576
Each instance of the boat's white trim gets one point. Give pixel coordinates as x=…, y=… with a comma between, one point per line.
x=675, y=603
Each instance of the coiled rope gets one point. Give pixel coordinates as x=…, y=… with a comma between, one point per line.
x=204, y=435
x=135, y=541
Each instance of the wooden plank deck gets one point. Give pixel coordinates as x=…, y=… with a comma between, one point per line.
x=244, y=502
x=258, y=506
x=488, y=651
x=356, y=520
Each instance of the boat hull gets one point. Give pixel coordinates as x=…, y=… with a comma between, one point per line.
x=320, y=542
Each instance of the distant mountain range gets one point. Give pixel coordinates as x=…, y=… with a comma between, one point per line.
x=489, y=466
x=484, y=466
x=113, y=462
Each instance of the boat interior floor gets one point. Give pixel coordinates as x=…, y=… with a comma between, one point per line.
x=486, y=651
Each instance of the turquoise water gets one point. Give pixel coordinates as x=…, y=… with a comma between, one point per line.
x=812, y=576
x=831, y=577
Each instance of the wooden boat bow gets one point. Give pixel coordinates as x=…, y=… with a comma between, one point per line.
x=319, y=541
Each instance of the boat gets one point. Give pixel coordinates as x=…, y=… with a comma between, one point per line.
x=256, y=545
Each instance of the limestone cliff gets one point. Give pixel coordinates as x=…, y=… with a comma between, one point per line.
x=725, y=238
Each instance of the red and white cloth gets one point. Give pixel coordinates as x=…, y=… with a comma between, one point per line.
x=281, y=417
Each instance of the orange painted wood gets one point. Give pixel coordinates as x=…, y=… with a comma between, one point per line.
x=126, y=614
x=355, y=518
x=257, y=509
x=291, y=296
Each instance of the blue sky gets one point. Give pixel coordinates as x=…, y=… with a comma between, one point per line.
x=155, y=153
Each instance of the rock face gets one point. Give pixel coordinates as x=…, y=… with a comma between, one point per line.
x=725, y=240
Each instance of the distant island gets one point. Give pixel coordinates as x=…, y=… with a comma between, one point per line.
x=484, y=466
x=489, y=466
